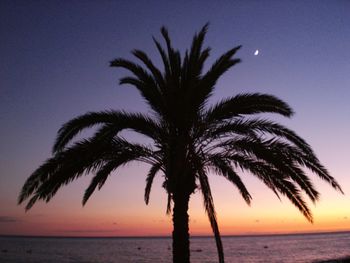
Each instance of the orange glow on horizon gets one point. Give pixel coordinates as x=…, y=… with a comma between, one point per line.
x=65, y=216
x=106, y=225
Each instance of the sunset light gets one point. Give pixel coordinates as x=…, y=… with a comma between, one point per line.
x=280, y=135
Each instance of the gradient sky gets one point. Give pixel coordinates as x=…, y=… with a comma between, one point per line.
x=54, y=66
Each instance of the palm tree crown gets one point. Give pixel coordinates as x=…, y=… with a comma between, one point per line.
x=191, y=140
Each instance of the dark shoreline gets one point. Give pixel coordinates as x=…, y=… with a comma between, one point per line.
x=337, y=260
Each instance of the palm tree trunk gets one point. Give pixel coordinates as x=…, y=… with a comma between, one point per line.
x=181, y=237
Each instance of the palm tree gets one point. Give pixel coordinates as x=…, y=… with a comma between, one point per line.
x=191, y=140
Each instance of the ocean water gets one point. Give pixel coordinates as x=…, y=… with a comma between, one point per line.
x=277, y=248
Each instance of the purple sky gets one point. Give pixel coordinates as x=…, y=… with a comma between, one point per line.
x=54, y=66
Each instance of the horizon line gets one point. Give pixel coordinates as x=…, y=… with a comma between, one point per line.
x=194, y=236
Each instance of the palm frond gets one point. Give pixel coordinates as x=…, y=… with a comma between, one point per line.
x=149, y=180
x=276, y=180
x=82, y=158
x=289, y=189
x=279, y=169
x=244, y=104
x=276, y=153
x=259, y=168
x=283, y=151
x=164, y=57
x=143, y=82
x=173, y=56
x=209, y=208
x=115, y=120
x=260, y=127
x=37, y=177
x=205, y=87
x=157, y=74
x=63, y=168
x=197, y=57
x=102, y=174
x=222, y=167
x=311, y=162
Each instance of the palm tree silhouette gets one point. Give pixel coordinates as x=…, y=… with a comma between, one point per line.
x=190, y=140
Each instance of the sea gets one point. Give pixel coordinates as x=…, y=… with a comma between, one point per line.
x=262, y=248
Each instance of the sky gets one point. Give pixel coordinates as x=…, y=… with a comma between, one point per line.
x=55, y=65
